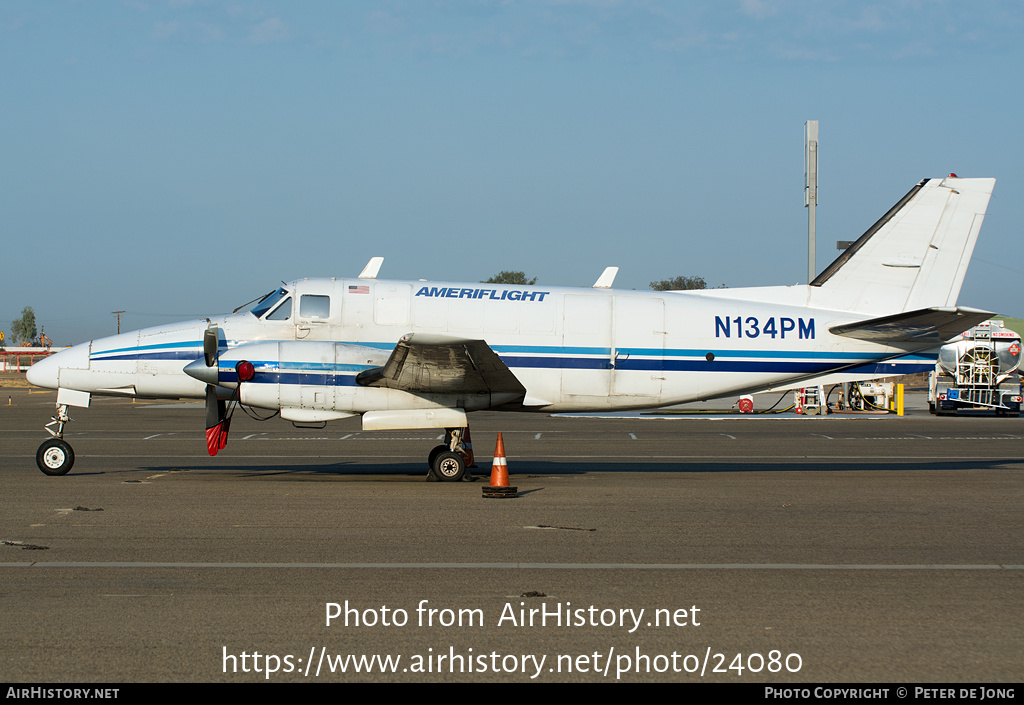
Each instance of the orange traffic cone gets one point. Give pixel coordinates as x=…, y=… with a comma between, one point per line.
x=499, y=486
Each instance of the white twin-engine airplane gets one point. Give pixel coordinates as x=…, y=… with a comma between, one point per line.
x=409, y=355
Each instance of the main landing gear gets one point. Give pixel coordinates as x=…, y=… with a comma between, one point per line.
x=448, y=462
x=55, y=456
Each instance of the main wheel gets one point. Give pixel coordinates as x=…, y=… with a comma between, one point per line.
x=434, y=452
x=55, y=457
x=449, y=466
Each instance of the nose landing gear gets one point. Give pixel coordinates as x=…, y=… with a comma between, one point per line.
x=55, y=456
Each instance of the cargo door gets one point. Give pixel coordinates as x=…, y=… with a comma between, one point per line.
x=585, y=357
x=638, y=348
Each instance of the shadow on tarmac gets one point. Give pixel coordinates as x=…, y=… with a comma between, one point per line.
x=539, y=469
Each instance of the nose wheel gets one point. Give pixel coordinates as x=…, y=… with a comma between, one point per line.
x=55, y=456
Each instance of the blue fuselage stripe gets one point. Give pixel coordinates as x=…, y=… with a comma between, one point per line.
x=554, y=357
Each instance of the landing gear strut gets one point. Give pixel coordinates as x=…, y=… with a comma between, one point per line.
x=55, y=456
x=448, y=462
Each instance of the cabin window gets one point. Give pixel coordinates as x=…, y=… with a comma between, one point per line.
x=315, y=306
x=282, y=312
x=267, y=302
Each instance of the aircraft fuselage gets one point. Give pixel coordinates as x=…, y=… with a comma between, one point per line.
x=572, y=349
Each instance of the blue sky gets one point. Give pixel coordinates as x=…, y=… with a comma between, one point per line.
x=175, y=158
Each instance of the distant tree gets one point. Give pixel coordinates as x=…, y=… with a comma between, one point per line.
x=680, y=283
x=504, y=277
x=24, y=329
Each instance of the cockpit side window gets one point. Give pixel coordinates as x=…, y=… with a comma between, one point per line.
x=282, y=312
x=268, y=302
x=315, y=306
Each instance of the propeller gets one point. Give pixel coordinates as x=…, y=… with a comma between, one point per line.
x=217, y=420
x=207, y=369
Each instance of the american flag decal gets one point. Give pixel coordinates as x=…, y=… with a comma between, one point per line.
x=359, y=290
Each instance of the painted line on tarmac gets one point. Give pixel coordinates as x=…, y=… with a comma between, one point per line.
x=527, y=457
x=518, y=566
x=714, y=416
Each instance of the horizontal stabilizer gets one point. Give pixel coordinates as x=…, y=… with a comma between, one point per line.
x=436, y=364
x=927, y=325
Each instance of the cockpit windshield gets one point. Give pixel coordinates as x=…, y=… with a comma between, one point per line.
x=268, y=302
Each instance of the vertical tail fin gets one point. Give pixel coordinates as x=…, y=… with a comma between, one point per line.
x=915, y=256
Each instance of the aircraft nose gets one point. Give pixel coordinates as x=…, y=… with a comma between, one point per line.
x=44, y=373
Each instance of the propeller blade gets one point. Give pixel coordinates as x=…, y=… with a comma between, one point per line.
x=216, y=423
x=210, y=345
x=213, y=440
x=212, y=407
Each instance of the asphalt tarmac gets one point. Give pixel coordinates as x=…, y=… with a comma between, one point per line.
x=696, y=548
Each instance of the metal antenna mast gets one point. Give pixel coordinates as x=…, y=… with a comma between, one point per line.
x=811, y=189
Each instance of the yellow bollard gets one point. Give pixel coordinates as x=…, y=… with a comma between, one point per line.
x=899, y=400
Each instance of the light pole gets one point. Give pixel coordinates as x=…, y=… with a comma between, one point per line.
x=811, y=189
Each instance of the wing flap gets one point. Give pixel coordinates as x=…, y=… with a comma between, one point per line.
x=436, y=364
x=926, y=325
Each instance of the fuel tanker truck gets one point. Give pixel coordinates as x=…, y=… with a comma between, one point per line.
x=978, y=372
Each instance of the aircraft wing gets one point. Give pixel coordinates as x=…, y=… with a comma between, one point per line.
x=926, y=325
x=438, y=364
